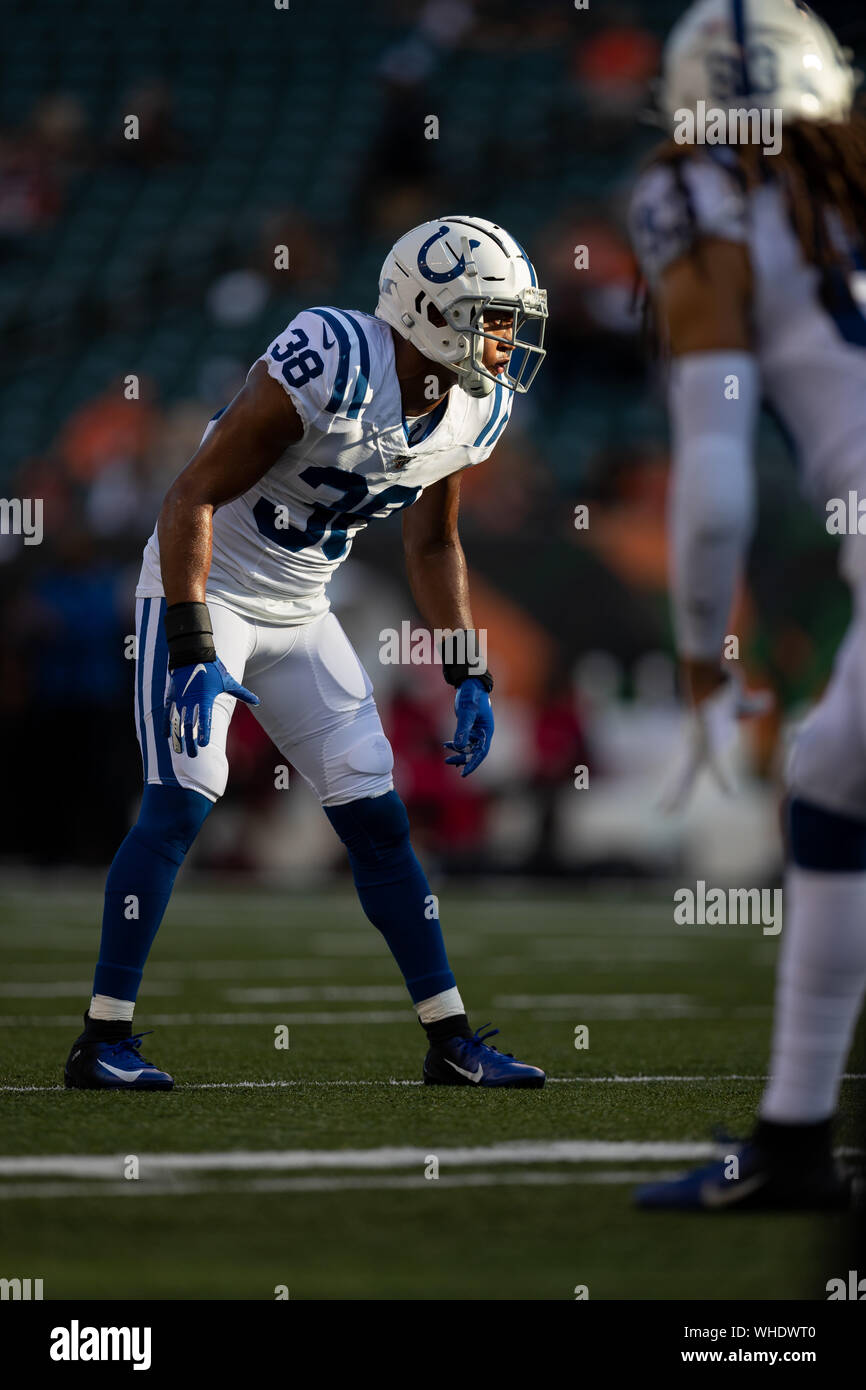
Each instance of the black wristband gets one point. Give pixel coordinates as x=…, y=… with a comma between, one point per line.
x=460, y=644
x=189, y=633
x=456, y=675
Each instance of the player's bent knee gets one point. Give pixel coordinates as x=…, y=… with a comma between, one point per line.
x=825, y=766
x=826, y=841
x=170, y=818
x=358, y=761
x=374, y=829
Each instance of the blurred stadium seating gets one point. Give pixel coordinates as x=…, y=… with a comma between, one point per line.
x=155, y=257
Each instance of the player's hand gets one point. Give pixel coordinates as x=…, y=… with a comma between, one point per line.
x=189, y=702
x=710, y=734
x=471, y=742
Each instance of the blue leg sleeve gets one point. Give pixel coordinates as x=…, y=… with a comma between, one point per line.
x=139, y=884
x=393, y=889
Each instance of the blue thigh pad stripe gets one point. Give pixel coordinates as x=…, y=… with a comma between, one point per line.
x=141, y=649
x=157, y=699
x=825, y=840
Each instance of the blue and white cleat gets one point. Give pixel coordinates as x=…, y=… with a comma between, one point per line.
x=96, y=1065
x=470, y=1062
x=753, y=1183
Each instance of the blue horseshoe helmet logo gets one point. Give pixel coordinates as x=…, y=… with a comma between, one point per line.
x=441, y=277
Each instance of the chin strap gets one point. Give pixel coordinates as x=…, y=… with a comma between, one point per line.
x=476, y=384
x=474, y=381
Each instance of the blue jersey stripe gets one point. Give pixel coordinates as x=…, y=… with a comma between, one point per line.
x=740, y=39
x=341, y=380
x=500, y=427
x=364, y=373
x=157, y=700
x=139, y=681
x=418, y=431
x=494, y=416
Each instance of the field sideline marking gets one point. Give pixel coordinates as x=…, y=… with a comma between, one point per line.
x=387, y=1158
x=221, y=1020
x=394, y=1081
x=59, y=989
x=383, y=1158
x=376, y=1016
x=515, y=1178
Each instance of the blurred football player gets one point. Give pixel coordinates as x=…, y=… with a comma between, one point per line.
x=751, y=259
x=346, y=418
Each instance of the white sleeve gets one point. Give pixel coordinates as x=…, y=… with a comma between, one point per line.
x=322, y=360
x=712, y=492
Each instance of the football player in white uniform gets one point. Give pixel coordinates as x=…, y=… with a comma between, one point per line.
x=751, y=258
x=347, y=417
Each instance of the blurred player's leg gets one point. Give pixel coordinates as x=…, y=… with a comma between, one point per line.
x=822, y=967
x=178, y=795
x=821, y=979
x=317, y=706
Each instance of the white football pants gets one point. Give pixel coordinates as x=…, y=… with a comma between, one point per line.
x=316, y=704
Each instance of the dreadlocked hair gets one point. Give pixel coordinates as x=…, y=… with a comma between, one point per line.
x=821, y=169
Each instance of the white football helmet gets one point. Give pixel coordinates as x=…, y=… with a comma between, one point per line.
x=440, y=280
x=773, y=54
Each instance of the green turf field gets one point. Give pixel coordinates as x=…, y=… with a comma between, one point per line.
x=316, y=1179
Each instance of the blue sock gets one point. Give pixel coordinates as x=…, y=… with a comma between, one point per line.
x=139, y=884
x=393, y=889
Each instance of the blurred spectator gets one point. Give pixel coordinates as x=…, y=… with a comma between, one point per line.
x=614, y=66
x=30, y=192
x=311, y=253
x=560, y=748
x=161, y=139
x=108, y=431
x=590, y=271
x=70, y=749
x=447, y=812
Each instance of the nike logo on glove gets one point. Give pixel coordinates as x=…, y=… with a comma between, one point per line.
x=119, y=1072
x=195, y=672
x=470, y=1075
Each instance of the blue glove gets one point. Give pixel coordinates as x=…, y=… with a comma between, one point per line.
x=471, y=742
x=189, y=701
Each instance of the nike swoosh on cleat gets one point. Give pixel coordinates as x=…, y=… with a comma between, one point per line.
x=119, y=1072
x=196, y=670
x=470, y=1075
x=732, y=1191
x=325, y=343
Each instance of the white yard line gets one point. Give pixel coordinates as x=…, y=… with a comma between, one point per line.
x=592, y=1007
x=328, y=994
x=385, y=1158
x=516, y=1178
x=394, y=1081
x=219, y=1020
x=609, y=1006
x=218, y=969
x=60, y=989
x=112, y=1168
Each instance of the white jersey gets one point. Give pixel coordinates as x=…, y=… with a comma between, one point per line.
x=812, y=358
x=276, y=547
